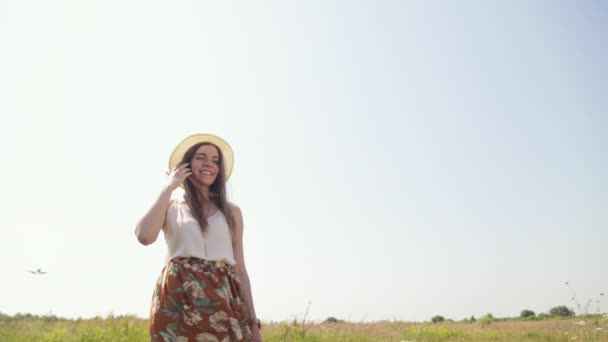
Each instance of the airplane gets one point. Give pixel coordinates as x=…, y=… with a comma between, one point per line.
x=37, y=272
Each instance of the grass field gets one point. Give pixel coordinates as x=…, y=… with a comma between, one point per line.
x=128, y=328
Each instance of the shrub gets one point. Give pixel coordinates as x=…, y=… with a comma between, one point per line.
x=561, y=311
x=437, y=319
x=331, y=320
x=471, y=319
x=542, y=315
x=486, y=319
x=527, y=314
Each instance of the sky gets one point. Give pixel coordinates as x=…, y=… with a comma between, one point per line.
x=394, y=160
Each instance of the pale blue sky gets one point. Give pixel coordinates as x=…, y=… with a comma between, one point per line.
x=394, y=160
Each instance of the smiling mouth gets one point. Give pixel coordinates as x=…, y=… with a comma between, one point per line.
x=206, y=173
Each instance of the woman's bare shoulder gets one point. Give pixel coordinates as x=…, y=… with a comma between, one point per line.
x=233, y=206
x=235, y=211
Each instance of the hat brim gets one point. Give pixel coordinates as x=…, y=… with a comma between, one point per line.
x=182, y=147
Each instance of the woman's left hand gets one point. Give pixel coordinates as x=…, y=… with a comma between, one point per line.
x=257, y=337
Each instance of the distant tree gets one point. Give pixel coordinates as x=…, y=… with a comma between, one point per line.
x=542, y=315
x=472, y=319
x=26, y=316
x=527, y=314
x=331, y=320
x=486, y=319
x=437, y=319
x=561, y=311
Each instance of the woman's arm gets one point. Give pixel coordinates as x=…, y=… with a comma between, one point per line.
x=240, y=268
x=149, y=226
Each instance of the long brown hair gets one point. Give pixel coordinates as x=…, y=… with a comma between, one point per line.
x=217, y=191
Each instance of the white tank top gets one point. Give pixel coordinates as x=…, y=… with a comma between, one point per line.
x=184, y=237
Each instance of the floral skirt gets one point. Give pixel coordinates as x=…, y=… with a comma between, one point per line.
x=198, y=300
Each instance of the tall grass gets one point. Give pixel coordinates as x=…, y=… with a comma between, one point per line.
x=585, y=308
x=50, y=328
x=25, y=327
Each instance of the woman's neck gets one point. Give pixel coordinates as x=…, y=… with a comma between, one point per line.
x=204, y=191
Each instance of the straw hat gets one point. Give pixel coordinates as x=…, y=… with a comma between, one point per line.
x=182, y=147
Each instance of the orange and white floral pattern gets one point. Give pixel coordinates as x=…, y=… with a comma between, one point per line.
x=198, y=300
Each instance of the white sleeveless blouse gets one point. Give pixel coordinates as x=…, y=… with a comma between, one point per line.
x=184, y=237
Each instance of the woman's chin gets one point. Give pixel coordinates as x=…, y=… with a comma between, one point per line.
x=204, y=181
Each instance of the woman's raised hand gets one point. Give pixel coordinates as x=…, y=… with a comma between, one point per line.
x=177, y=176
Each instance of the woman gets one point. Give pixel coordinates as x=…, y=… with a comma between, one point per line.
x=203, y=292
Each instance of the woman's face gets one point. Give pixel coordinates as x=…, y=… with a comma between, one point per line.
x=205, y=165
